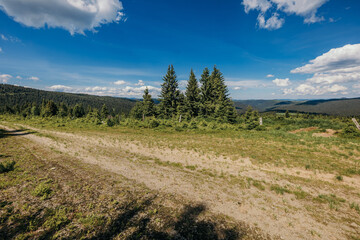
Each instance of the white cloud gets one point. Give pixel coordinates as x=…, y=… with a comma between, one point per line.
x=60, y=88
x=304, y=8
x=1, y=50
x=341, y=58
x=34, y=78
x=261, y=5
x=18, y=77
x=127, y=91
x=4, y=78
x=273, y=23
x=308, y=89
x=140, y=83
x=120, y=82
x=356, y=85
x=337, y=66
x=237, y=88
x=76, y=16
x=282, y=82
x=9, y=38
x=270, y=76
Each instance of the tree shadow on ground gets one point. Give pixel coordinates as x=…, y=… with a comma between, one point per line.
x=133, y=222
x=186, y=226
x=13, y=133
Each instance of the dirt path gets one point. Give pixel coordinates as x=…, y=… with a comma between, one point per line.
x=236, y=188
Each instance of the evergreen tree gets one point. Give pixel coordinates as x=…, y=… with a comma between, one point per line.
x=222, y=107
x=50, y=109
x=192, y=96
x=287, y=114
x=104, y=113
x=35, y=110
x=148, y=104
x=63, y=110
x=78, y=111
x=205, y=92
x=169, y=96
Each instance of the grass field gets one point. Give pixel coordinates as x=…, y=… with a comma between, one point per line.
x=296, y=179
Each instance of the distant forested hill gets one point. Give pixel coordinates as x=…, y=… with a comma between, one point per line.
x=14, y=95
x=343, y=107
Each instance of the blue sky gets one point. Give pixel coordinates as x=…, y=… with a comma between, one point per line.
x=266, y=49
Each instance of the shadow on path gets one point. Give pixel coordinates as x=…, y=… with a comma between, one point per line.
x=13, y=133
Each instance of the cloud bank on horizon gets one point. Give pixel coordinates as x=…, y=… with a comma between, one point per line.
x=75, y=16
x=303, y=8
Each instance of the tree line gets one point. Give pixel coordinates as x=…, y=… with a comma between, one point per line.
x=206, y=98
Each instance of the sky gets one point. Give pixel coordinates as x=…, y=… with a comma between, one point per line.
x=266, y=49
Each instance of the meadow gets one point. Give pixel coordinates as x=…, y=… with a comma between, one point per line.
x=292, y=178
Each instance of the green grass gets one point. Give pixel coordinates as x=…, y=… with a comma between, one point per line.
x=334, y=155
x=43, y=190
x=279, y=190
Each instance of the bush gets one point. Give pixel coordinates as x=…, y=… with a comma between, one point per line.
x=7, y=166
x=350, y=131
x=43, y=190
x=153, y=123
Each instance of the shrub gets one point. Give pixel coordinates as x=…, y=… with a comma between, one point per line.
x=7, y=166
x=350, y=131
x=43, y=190
x=339, y=177
x=279, y=190
x=153, y=123
x=56, y=220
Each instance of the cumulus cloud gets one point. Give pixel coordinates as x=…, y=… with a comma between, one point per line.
x=270, y=76
x=3, y=37
x=120, y=82
x=331, y=71
x=18, y=77
x=60, y=88
x=337, y=59
x=308, y=89
x=304, y=8
x=140, y=83
x=76, y=16
x=339, y=65
x=4, y=78
x=34, y=78
x=273, y=23
x=261, y=5
x=281, y=82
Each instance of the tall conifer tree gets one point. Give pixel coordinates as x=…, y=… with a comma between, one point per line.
x=192, y=95
x=205, y=91
x=148, y=103
x=169, y=96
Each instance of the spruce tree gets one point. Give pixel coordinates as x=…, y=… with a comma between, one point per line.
x=221, y=107
x=205, y=91
x=192, y=96
x=148, y=104
x=169, y=96
x=104, y=112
